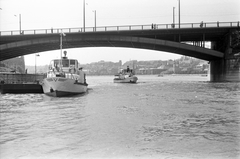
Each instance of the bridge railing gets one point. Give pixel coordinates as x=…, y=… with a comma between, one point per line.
x=122, y=28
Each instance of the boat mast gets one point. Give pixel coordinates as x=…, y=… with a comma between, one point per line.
x=60, y=63
x=62, y=34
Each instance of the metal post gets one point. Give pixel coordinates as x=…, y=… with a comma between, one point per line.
x=179, y=12
x=95, y=20
x=203, y=40
x=173, y=16
x=35, y=68
x=20, y=29
x=35, y=64
x=83, y=15
x=60, y=63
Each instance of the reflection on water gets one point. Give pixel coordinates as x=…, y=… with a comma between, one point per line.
x=167, y=117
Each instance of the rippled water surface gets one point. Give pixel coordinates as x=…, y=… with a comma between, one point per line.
x=159, y=117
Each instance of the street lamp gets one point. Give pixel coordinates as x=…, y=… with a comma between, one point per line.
x=179, y=13
x=173, y=17
x=19, y=22
x=36, y=63
x=95, y=21
x=83, y=15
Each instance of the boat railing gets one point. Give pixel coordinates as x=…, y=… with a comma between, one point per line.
x=68, y=75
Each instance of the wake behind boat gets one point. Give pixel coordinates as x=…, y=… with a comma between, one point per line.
x=66, y=80
x=125, y=76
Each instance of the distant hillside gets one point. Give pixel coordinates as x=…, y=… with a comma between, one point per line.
x=39, y=69
x=184, y=65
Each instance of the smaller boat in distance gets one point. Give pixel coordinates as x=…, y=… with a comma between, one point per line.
x=125, y=76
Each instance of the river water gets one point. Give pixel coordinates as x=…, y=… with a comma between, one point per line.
x=159, y=117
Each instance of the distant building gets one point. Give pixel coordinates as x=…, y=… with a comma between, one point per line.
x=120, y=62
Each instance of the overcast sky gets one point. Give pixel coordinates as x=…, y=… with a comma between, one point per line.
x=43, y=14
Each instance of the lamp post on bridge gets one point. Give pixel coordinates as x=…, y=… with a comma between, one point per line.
x=83, y=15
x=95, y=20
x=179, y=13
x=20, y=23
x=95, y=16
x=173, y=17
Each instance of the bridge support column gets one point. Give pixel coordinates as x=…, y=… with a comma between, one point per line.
x=227, y=69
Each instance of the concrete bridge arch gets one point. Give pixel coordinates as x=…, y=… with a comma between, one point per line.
x=52, y=42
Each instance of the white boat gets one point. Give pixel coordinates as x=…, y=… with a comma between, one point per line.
x=65, y=81
x=64, y=77
x=125, y=76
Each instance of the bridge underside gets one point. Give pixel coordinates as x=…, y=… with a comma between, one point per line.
x=20, y=48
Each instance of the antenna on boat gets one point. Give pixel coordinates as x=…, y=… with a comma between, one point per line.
x=65, y=53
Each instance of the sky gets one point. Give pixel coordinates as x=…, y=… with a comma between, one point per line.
x=46, y=14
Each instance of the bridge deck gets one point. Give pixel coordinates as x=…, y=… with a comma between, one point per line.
x=13, y=44
x=124, y=28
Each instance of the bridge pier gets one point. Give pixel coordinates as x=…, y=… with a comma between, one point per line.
x=227, y=69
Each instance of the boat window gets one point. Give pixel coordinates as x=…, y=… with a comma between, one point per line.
x=72, y=63
x=65, y=63
x=56, y=62
x=51, y=65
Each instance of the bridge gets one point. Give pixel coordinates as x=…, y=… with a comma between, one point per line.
x=187, y=39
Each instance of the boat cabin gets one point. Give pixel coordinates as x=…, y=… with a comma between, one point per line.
x=127, y=72
x=63, y=67
x=66, y=64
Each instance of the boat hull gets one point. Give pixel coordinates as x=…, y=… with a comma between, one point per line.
x=60, y=87
x=126, y=80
